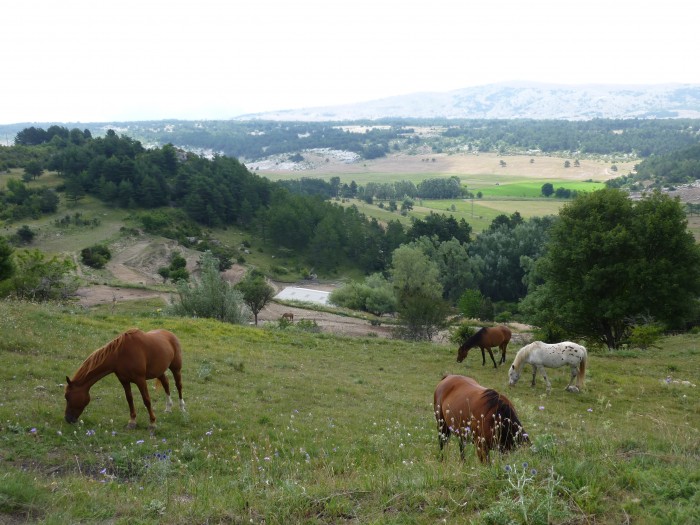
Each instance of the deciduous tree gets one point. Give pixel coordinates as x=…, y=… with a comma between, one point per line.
x=610, y=260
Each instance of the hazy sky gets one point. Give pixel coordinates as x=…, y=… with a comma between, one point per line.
x=89, y=60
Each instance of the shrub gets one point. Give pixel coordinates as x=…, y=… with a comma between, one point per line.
x=460, y=333
x=645, y=336
x=211, y=296
x=95, y=256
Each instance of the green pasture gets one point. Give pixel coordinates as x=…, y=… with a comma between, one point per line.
x=533, y=189
x=286, y=426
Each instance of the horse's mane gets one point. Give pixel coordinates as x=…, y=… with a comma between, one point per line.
x=99, y=356
x=522, y=354
x=498, y=406
x=475, y=338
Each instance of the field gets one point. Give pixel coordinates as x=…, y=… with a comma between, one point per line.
x=285, y=426
x=504, y=189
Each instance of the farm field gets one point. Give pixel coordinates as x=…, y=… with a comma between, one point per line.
x=285, y=426
x=481, y=170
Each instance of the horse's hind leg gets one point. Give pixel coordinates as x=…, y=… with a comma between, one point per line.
x=166, y=386
x=177, y=375
x=503, y=347
x=570, y=387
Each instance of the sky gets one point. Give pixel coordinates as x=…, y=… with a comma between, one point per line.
x=93, y=61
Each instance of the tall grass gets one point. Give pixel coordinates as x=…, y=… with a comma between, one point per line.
x=286, y=426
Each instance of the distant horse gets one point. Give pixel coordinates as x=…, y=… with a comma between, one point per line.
x=288, y=315
x=133, y=357
x=539, y=355
x=487, y=338
x=471, y=411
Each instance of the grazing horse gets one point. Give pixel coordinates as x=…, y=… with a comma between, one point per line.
x=288, y=315
x=487, y=338
x=133, y=357
x=469, y=410
x=540, y=355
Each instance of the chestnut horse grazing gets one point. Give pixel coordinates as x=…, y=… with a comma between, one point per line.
x=289, y=316
x=134, y=357
x=471, y=411
x=487, y=338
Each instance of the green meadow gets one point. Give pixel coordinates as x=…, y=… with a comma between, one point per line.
x=287, y=426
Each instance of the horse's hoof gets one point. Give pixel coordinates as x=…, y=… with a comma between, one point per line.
x=573, y=389
x=131, y=425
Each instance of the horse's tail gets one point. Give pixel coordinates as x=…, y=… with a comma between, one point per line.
x=582, y=370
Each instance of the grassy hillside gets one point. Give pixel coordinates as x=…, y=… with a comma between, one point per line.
x=285, y=426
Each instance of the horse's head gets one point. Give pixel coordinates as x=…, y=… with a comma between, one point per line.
x=462, y=352
x=513, y=375
x=77, y=398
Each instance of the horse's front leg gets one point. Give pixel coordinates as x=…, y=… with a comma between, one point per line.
x=492, y=359
x=546, y=380
x=130, y=400
x=143, y=388
x=503, y=353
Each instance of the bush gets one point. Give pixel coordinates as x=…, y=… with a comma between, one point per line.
x=95, y=256
x=645, y=336
x=460, y=333
x=211, y=296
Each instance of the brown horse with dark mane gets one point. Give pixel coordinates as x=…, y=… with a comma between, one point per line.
x=134, y=357
x=486, y=338
x=470, y=411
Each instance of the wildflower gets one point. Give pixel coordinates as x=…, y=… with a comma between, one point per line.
x=103, y=471
x=59, y=432
x=209, y=433
x=525, y=465
x=508, y=468
x=114, y=432
x=541, y=408
x=139, y=441
x=590, y=410
x=533, y=472
x=32, y=431
x=90, y=433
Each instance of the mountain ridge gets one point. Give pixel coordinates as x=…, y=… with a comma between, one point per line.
x=514, y=100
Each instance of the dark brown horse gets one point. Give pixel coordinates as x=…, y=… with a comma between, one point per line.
x=134, y=357
x=471, y=411
x=486, y=338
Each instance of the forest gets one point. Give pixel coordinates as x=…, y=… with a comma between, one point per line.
x=251, y=140
x=179, y=194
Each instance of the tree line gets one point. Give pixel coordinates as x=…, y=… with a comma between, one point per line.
x=596, y=270
x=256, y=139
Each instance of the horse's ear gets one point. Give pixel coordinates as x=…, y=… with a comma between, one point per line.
x=67, y=380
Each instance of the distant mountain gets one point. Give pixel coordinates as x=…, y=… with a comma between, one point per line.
x=516, y=100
